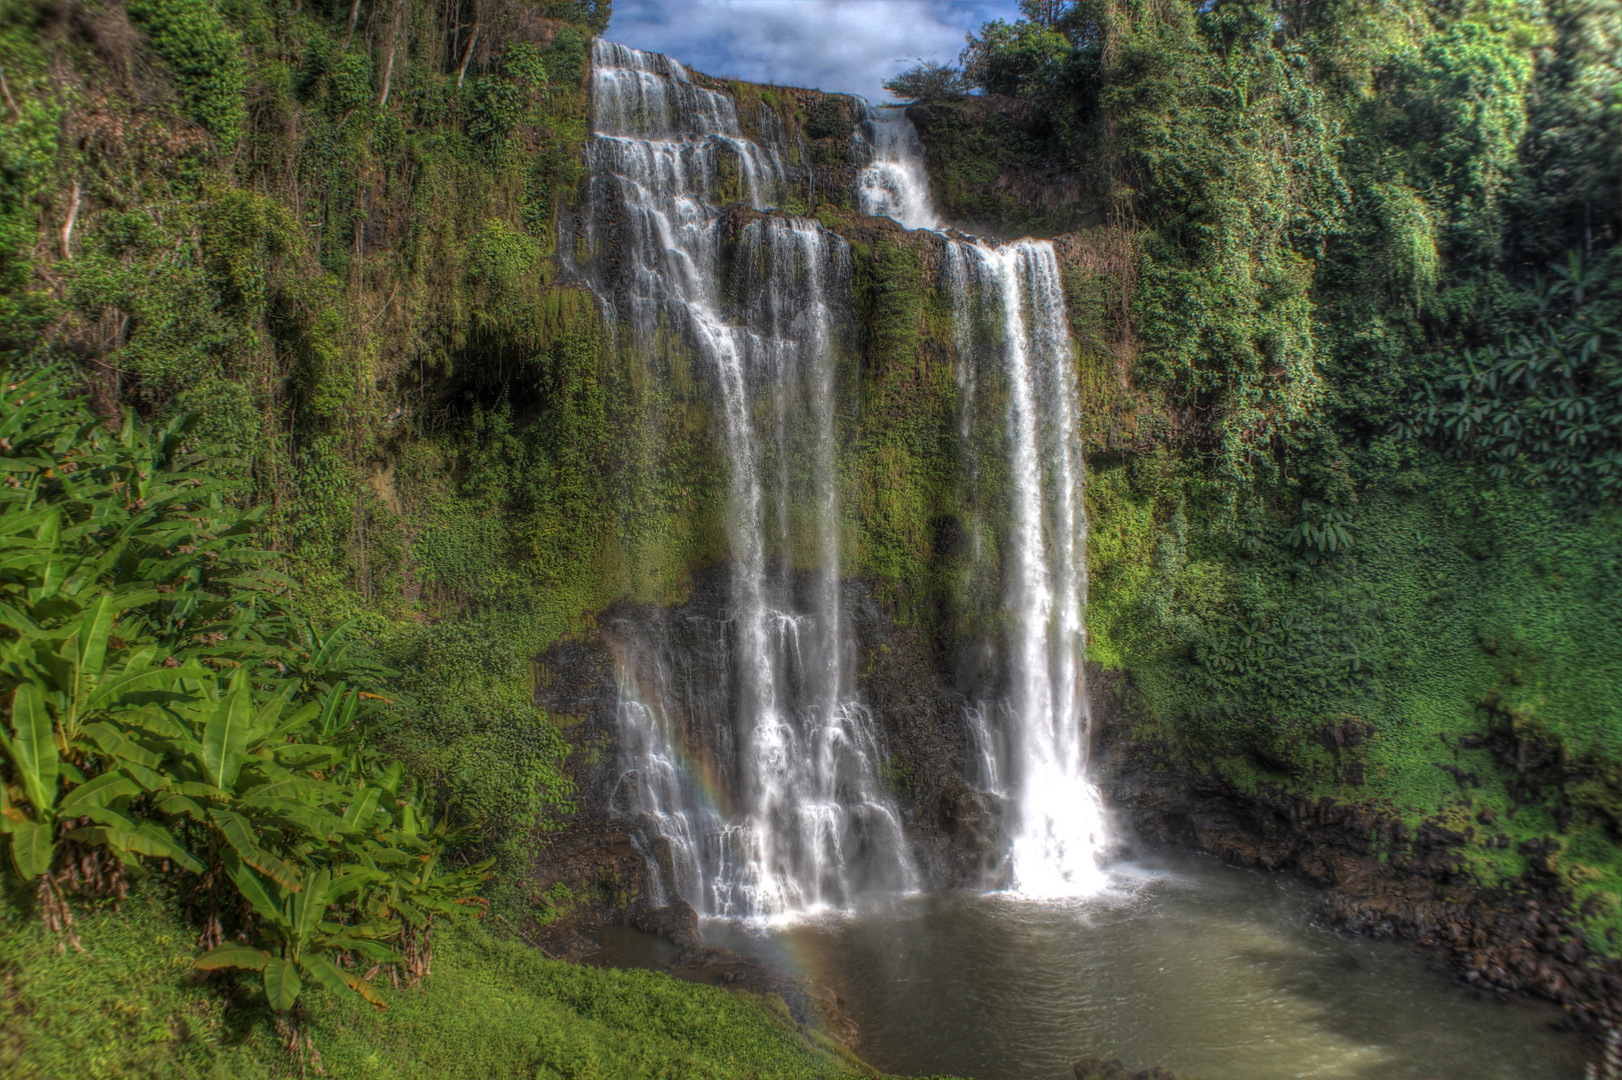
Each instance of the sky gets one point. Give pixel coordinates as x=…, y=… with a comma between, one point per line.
x=843, y=45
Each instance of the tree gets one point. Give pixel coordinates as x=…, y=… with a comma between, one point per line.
x=927, y=80
x=1022, y=59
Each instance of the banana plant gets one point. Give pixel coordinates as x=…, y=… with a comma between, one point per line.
x=159, y=699
x=304, y=942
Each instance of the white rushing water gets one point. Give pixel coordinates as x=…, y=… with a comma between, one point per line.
x=1060, y=816
x=1017, y=358
x=790, y=816
x=895, y=184
x=1058, y=828
x=749, y=760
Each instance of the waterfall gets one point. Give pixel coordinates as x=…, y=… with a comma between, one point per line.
x=780, y=809
x=1058, y=824
x=1060, y=820
x=749, y=761
x=895, y=184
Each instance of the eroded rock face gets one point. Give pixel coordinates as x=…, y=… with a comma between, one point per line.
x=956, y=832
x=676, y=922
x=1520, y=938
x=1099, y=1069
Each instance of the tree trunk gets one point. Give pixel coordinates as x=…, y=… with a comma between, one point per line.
x=467, y=58
x=354, y=16
x=394, y=41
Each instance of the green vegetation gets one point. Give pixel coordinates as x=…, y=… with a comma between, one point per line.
x=1354, y=523
x=166, y=708
x=268, y=644
x=1345, y=286
x=127, y=1007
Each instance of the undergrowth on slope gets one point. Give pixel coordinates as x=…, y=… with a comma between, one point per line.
x=129, y=1005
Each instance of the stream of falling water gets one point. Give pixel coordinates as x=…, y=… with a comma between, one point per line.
x=1012, y=330
x=753, y=786
x=895, y=184
x=793, y=819
x=1059, y=820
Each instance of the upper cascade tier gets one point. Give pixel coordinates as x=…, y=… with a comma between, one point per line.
x=894, y=184
x=648, y=95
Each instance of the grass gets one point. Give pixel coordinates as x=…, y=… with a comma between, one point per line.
x=130, y=1006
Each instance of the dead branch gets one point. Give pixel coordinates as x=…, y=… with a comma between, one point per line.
x=67, y=226
x=467, y=57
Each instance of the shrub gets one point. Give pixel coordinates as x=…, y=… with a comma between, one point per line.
x=206, y=59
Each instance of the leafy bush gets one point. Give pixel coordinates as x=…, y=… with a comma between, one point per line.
x=927, y=81
x=206, y=58
x=165, y=707
x=1546, y=402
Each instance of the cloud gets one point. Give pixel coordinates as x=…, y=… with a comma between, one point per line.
x=850, y=46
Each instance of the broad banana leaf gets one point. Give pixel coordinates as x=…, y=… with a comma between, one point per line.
x=337, y=980
x=100, y=791
x=32, y=847
x=232, y=956
x=282, y=984
x=254, y=891
x=309, y=905
x=225, y=737
x=148, y=838
x=238, y=833
x=32, y=749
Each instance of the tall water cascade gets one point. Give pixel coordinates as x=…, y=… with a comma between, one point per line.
x=1040, y=755
x=749, y=764
x=1058, y=826
x=894, y=184
x=758, y=774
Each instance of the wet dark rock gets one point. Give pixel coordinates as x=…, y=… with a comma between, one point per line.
x=1099, y=1069
x=676, y=922
x=955, y=831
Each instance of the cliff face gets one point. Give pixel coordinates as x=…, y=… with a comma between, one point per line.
x=356, y=277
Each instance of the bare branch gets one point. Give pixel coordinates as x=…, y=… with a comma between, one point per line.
x=67, y=226
x=467, y=57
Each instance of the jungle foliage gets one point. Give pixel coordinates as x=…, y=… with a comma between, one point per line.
x=1332, y=205
x=1374, y=336
x=167, y=710
x=325, y=231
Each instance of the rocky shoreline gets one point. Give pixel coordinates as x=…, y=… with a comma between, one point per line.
x=1519, y=939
